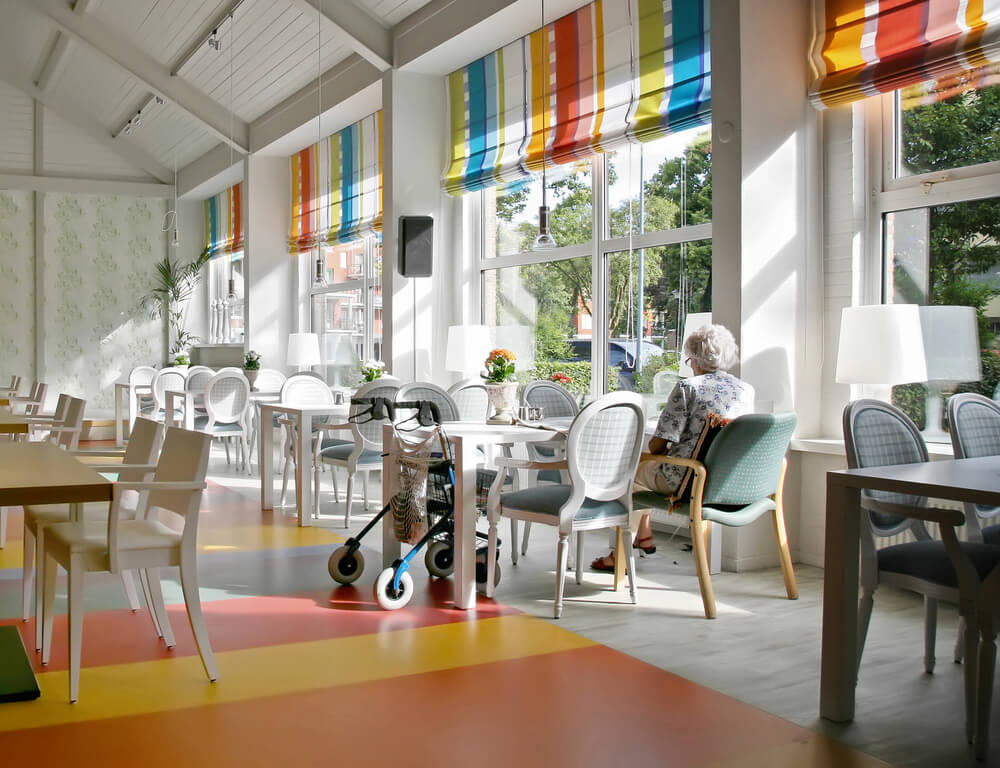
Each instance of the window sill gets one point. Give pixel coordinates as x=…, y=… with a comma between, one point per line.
x=835, y=447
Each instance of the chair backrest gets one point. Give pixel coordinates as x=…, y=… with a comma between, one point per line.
x=554, y=400
x=143, y=447
x=975, y=431
x=603, y=446
x=269, y=380
x=171, y=378
x=371, y=431
x=305, y=389
x=73, y=422
x=227, y=397
x=141, y=375
x=184, y=458
x=471, y=398
x=743, y=464
x=15, y=384
x=34, y=405
x=424, y=390
x=197, y=378
x=877, y=434
x=62, y=403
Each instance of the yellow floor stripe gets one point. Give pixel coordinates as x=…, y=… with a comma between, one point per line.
x=250, y=538
x=145, y=687
x=13, y=555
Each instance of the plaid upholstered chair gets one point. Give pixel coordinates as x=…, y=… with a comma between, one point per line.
x=555, y=403
x=424, y=390
x=602, y=452
x=471, y=398
x=878, y=434
x=227, y=402
x=742, y=478
x=975, y=431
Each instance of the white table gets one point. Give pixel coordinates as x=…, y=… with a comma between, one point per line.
x=130, y=407
x=304, y=414
x=257, y=398
x=464, y=437
x=972, y=480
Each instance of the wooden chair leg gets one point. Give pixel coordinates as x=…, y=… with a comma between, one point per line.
x=579, y=557
x=513, y=539
x=28, y=576
x=76, y=576
x=971, y=668
x=700, y=545
x=3, y=527
x=561, y=555
x=491, y=557
x=349, y=499
x=930, y=633
x=48, y=576
x=620, y=558
x=147, y=594
x=785, y=555
x=984, y=687
x=156, y=599
x=865, y=603
x=131, y=594
x=192, y=600
x=524, y=540
x=960, y=641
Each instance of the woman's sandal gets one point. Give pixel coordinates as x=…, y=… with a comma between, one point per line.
x=648, y=547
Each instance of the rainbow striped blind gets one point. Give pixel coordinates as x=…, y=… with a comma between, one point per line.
x=863, y=48
x=337, y=187
x=611, y=72
x=224, y=222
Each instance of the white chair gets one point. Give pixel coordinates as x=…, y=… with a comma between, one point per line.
x=140, y=382
x=602, y=454
x=305, y=388
x=31, y=403
x=227, y=402
x=138, y=461
x=171, y=378
x=363, y=453
x=144, y=543
x=555, y=402
x=471, y=398
x=64, y=428
x=425, y=390
x=40, y=422
x=195, y=383
x=11, y=389
x=269, y=380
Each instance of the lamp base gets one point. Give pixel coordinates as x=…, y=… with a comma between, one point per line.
x=932, y=432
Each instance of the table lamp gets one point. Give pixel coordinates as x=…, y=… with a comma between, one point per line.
x=339, y=352
x=303, y=350
x=468, y=346
x=951, y=345
x=881, y=344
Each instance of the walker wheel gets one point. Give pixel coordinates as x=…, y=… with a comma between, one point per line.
x=439, y=559
x=389, y=598
x=345, y=567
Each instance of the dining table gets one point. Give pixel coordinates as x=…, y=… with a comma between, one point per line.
x=465, y=437
x=964, y=480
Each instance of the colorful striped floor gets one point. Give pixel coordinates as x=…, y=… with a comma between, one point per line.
x=316, y=675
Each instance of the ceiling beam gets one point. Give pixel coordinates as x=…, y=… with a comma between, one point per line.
x=200, y=40
x=440, y=21
x=32, y=183
x=366, y=35
x=92, y=128
x=217, y=161
x=53, y=65
x=212, y=115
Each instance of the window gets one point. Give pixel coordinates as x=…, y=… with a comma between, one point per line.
x=607, y=310
x=939, y=227
x=346, y=306
x=225, y=296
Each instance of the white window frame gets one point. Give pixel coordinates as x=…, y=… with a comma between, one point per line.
x=600, y=249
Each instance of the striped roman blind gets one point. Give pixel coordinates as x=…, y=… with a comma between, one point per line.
x=610, y=72
x=224, y=222
x=337, y=187
x=865, y=47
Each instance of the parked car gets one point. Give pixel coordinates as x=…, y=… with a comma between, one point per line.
x=621, y=355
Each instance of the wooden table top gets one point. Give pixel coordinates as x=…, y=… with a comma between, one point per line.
x=972, y=480
x=13, y=424
x=42, y=473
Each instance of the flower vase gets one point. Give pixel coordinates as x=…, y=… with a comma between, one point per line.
x=502, y=398
x=251, y=376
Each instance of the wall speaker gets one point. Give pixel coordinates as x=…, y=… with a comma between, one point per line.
x=416, y=246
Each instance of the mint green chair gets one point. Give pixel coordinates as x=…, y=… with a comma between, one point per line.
x=741, y=479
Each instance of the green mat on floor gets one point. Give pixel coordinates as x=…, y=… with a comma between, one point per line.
x=17, y=681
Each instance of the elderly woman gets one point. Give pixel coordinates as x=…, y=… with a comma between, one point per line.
x=710, y=351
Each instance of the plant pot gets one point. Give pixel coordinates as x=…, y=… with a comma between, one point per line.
x=251, y=375
x=502, y=397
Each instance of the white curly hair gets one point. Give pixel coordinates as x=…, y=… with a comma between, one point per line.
x=712, y=348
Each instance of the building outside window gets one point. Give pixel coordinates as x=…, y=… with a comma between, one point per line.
x=938, y=222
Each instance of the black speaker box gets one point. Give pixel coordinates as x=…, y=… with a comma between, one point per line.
x=416, y=246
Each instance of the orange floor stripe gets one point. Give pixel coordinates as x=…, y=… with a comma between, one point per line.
x=121, y=637
x=586, y=707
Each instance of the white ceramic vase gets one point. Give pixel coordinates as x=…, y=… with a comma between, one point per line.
x=502, y=398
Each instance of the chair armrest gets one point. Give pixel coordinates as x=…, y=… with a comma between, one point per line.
x=509, y=463
x=953, y=517
x=659, y=458
x=324, y=427
x=120, y=467
x=99, y=454
x=161, y=485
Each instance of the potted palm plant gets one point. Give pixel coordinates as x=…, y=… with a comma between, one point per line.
x=173, y=284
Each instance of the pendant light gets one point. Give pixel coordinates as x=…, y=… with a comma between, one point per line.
x=544, y=241
x=320, y=279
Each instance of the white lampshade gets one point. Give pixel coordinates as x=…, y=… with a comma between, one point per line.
x=468, y=346
x=692, y=322
x=951, y=343
x=338, y=349
x=303, y=350
x=881, y=344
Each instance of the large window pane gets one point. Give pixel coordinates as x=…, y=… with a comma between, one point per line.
x=541, y=312
x=664, y=184
x=957, y=132
x=650, y=293
x=511, y=212
x=338, y=317
x=947, y=255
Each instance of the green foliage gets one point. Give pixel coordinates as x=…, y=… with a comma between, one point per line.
x=990, y=362
x=182, y=359
x=551, y=334
x=911, y=399
x=173, y=284
x=500, y=366
x=251, y=361
x=581, y=374
x=644, y=378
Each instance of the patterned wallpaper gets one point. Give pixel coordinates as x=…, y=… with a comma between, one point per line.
x=17, y=286
x=99, y=256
